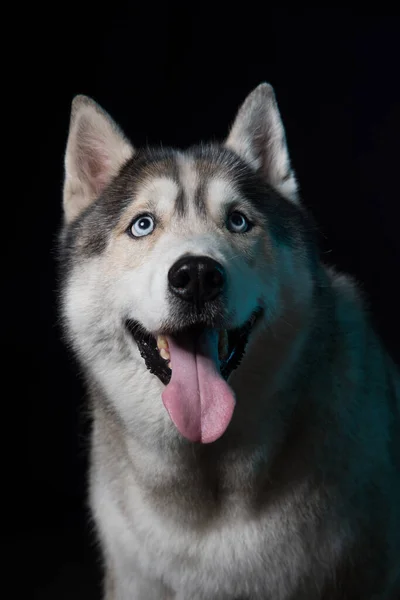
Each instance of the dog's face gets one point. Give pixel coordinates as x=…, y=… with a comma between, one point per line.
x=172, y=259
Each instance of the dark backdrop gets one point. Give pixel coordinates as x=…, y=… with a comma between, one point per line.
x=175, y=75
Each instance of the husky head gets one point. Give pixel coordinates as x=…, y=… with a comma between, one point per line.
x=173, y=260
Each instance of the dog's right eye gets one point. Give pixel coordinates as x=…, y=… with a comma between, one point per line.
x=141, y=226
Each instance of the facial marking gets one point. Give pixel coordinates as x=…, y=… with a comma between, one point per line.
x=160, y=194
x=156, y=196
x=219, y=193
x=189, y=180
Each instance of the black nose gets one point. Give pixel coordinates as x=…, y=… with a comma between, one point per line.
x=196, y=279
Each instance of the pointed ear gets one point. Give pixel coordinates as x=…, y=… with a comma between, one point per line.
x=96, y=151
x=258, y=137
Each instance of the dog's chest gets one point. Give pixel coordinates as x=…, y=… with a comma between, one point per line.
x=238, y=552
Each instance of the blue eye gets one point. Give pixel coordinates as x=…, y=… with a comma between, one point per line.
x=141, y=226
x=238, y=223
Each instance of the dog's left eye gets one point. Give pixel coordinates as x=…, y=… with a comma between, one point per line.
x=238, y=223
x=143, y=225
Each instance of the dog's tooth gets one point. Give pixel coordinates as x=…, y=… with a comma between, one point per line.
x=164, y=354
x=162, y=342
x=223, y=344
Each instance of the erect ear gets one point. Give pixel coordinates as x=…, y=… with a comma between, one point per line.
x=96, y=151
x=258, y=137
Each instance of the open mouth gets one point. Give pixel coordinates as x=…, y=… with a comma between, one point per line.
x=156, y=355
x=194, y=364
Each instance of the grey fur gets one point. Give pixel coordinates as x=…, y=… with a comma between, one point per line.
x=300, y=498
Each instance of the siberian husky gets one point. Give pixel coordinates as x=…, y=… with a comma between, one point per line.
x=245, y=439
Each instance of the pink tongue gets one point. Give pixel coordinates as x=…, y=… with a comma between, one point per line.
x=199, y=402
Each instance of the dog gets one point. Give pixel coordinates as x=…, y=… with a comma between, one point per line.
x=245, y=415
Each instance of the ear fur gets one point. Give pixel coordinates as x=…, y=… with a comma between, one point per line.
x=96, y=151
x=258, y=137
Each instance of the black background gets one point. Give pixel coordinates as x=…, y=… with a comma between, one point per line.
x=176, y=75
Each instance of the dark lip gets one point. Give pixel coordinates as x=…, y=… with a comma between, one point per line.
x=147, y=345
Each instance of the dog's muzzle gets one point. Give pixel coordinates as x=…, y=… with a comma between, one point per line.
x=194, y=352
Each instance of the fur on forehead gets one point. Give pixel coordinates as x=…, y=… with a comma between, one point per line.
x=179, y=180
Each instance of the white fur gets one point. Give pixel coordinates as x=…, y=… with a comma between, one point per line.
x=312, y=402
x=235, y=558
x=161, y=190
